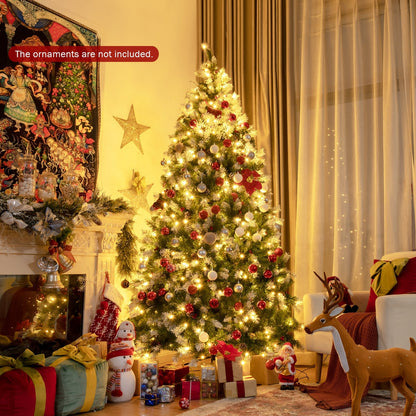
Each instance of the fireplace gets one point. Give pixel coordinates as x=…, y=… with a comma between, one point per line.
x=94, y=249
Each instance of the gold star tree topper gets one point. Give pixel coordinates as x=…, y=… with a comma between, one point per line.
x=132, y=130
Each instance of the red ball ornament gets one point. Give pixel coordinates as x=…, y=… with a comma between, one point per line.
x=246, y=125
x=189, y=308
x=235, y=196
x=184, y=403
x=193, y=235
x=161, y=292
x=170, y=268
x=236, y=334
x=213, y=350
x=203, y=214
x=225, y=104
x=104, y=305
x=215, y=209
x=165, y=231
x=219, y=181
x=241, y=160
x=164, y=262
x=252, y=268
x=268, y=274
x=215, y=166
x=261, y=304
x=272, y=258
x=227, y=142
x=278, y=252
x=238, y=306
x=170, y=193
x=270, y=364
x=192, y=123
x=151, y=295
x=214, y=303
x=192, y=289
x=141, y=295
x=228, y=292
x=233, y=117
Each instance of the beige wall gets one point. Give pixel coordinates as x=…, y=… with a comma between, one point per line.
x=156, y=90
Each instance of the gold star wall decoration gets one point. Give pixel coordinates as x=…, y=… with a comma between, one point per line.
x=137, y=193
x=132, y=130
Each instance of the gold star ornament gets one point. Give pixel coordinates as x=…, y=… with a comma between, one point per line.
x=137, y=193
x=132, y=130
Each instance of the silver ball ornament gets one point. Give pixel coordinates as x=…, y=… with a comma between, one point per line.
x=251, y=155
x=238, y=177
x=168, y=296
x=214, y=149
x=238, y=288
x=201, y=253
x=210, y=238
x=175, y=242
x=201, y=154
x=201, y=187
x=212, y=275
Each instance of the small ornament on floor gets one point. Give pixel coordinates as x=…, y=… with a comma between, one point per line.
x=284, y=365
x=184, y=403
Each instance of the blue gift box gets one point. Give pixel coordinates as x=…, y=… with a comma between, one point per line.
x=152, y=399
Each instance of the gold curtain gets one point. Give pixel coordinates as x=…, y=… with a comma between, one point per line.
x=249, y=39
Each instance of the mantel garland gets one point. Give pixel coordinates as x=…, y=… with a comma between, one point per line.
x=56, y=219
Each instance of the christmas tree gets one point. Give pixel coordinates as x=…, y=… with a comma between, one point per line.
x=212, y=267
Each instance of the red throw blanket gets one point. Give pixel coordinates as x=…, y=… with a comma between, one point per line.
x=335, y=392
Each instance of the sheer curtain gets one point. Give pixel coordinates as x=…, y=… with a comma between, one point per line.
x=356, y=63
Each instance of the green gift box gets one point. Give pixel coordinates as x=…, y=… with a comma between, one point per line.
x=81, y=380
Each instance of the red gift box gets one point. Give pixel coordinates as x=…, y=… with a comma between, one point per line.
x=172, y=375
x=27, y=391
x=191, y=389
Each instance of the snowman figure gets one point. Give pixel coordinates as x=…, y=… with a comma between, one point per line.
x=121, y=379
x=126, y=334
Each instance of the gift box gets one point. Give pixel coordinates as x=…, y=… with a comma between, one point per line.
x=173, y=375
x=228, y=370
x=148, y=378
x=209, y=390
x=151, y=399
x=167, y=393
x=81, y=380
x=27, y=388
x=191, y=389
x=208, y=373
x=242, y=388
x=260, y=372
x=100, y=347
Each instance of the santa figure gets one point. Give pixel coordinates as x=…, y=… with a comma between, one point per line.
x=284, y=365
x=126, y=334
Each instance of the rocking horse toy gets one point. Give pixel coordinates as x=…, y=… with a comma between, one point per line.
x=360, y=364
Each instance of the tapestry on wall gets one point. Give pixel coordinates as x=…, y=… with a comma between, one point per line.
x=47, y=109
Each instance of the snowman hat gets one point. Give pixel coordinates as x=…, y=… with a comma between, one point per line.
x=127, y=325
x=118, y=350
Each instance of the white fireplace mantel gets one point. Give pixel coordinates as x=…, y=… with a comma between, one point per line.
x=94, y=249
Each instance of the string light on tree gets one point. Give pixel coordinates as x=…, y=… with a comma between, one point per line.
x=212, y=240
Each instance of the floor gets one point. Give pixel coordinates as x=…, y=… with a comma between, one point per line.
x=136, y=407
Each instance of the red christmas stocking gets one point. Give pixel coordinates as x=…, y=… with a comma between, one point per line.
x=105, y=322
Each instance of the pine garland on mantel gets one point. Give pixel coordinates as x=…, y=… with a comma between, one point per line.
x=57, y=219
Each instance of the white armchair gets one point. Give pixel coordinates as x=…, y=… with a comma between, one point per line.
x=395, y=317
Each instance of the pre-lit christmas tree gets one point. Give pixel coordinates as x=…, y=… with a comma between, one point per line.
x=212, y=266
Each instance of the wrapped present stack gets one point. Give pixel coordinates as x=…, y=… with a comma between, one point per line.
x=209, y=384
x=173, y=374
x=230, y=373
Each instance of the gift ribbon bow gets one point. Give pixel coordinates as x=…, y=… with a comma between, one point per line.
x=85, y=356
x=24, y=362
x=14, y=207
x=49, y=226
x=228, y=351
x=56, y=248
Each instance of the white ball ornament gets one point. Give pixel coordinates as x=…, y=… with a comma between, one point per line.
x=203, y=336
x=249, y=216
x=212, y=275
x=239, y=231
x=264, y=207
x=257, y=237
x=214, y=149
x=238, y=177
x=210, y=238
